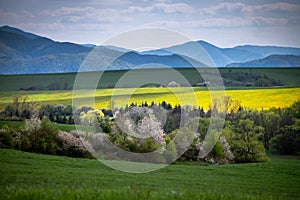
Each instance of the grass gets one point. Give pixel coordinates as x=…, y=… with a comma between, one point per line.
x=288, y=76
x=33, y=176
x=13, y=124
x=251, y=98
x=17, y=124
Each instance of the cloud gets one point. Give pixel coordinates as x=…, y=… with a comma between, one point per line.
x=86, y=15
x=108, y=2
x=92, y=19
x=67, y=32
x=159, y=1
x=242, y=8
x=222, y=22
x=28, y=14
x=223, y=7
x=173, y=8
x=40, y=26
x=7, y=15
x=134, y=9
x=281, y=6
x=165, y=8
x=270, y=21
x=74, y=10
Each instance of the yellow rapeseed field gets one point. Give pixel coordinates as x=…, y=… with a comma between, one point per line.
x=250, y=98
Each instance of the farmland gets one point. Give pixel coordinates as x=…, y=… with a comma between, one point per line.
x=250, y=98
x=287, y=76
x=57, y=88
x=34, y=176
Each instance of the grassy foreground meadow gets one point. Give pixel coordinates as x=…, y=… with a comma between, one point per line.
x=33, y=176
x=251, y=98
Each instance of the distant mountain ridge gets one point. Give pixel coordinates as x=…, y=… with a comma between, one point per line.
x=27, y=53
x=19, y=32
x=224, y=56
x=271, y=61
x=270, y=50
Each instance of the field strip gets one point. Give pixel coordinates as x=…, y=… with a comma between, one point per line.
x=251, y=98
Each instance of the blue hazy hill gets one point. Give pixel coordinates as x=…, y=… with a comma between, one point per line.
x=27, y=53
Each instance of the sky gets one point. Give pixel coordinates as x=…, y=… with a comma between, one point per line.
x=222, y=23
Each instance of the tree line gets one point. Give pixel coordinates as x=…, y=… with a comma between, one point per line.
x=246, y=136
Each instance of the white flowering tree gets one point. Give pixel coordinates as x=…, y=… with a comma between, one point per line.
x=149, y=126
x=140, y=123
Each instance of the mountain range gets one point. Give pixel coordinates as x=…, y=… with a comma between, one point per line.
x=26, y=53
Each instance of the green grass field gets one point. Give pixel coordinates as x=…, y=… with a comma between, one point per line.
x=288, y=76
x=33, y=176
x=251, y=98
x=62, y=127
x=17, y=124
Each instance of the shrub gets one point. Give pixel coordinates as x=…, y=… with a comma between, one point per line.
x=73, y=146
x=244, y=141
x=220, y=153
x=103, y=125
x=217, y=151
x=6, y=139
x=287, y=141
x=38, y=137
x=147, y=145
x=90, y=117
x=43, y=138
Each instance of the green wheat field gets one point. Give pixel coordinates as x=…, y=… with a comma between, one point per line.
x=33, y=176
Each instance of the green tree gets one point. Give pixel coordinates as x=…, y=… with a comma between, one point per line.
x=22, y=107
x=270, y=122
x=295, y=109
x=287, y=141
x=103, y=124
x=6, y=137
x=244, y=141
x=40, y=137
x=261, y=82
x=90, y=117
x=9, y=110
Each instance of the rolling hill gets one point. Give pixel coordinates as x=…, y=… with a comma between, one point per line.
x=271, y=61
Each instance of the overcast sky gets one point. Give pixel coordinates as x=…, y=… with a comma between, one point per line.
x=223, y=23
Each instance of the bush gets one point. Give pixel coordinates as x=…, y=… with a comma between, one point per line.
x=73, y=146
x=217, y=151
x=103, y=125
x=287, y=141
x=43, y=137
x=244, y=141
x=219, y=154
x=6, y=139
x=36, y=136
